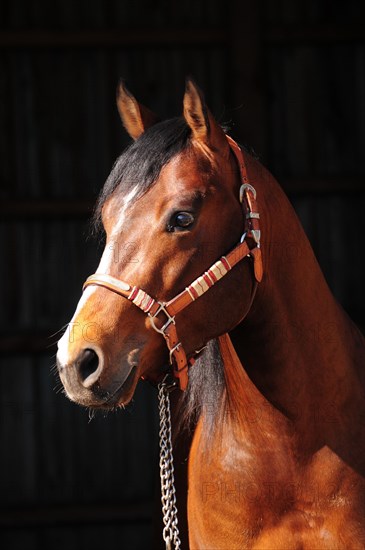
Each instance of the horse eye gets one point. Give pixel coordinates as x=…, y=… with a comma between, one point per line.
x=184, y=219
x=181, y=221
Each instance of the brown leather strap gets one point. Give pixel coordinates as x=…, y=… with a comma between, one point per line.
x=180, y=364
x=111, y=283
x=139, y=297
x=257, y=264
x=182, y=300
x=198, y=287
x=248, y=195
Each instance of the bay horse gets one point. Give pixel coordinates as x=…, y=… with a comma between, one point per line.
x=202, y=239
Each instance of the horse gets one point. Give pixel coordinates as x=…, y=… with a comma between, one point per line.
x=202, y=239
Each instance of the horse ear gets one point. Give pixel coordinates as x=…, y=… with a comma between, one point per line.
x=204, y=127
x=136, y=118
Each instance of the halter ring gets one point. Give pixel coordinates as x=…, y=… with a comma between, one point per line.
x=170, y=319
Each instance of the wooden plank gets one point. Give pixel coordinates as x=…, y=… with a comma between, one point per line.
x=70, y=514
x=76, y=209
x=46, y=209
x=112, y=38
x=246, y=74
x=323, y=185
x=315, y=34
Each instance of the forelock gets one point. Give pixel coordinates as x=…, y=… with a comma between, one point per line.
x=139, y=166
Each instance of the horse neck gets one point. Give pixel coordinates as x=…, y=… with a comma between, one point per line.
x=297, y=345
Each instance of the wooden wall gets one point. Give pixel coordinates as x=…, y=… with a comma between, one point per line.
x=288, y=76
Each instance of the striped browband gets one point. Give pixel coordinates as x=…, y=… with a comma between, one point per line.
x=197, y=288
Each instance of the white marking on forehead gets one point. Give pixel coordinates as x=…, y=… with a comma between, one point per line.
x=110, y=252
x=126, y=202
x=109, y=255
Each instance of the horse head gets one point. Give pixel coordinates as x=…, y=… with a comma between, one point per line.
x=170, y=208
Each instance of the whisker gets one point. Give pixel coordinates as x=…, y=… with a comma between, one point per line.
x=54, y=370
x=62, y=329
x=59, y=390
x=51, y=345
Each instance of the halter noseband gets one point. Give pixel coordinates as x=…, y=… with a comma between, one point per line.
x=202, y=284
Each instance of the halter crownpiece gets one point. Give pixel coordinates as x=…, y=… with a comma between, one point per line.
x=154, y=308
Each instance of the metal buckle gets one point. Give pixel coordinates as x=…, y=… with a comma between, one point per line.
x=168, y=322
x=256, y=234
x=244, y=187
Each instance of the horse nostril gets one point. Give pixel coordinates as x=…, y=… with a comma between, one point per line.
x=88, y=368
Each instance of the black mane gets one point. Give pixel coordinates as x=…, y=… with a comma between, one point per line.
x=141, y=163
x=205, y=391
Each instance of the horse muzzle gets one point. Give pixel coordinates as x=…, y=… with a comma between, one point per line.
x=86, y=383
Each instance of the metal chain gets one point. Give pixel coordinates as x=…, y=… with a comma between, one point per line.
x=170, y=531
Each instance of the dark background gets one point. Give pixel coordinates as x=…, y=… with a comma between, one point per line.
x=287, y=76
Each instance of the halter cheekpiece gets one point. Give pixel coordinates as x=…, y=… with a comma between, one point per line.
x=154, y=308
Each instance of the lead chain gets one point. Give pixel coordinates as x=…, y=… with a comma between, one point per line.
x=170, y=531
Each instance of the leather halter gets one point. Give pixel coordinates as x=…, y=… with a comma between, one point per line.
x=202, y=284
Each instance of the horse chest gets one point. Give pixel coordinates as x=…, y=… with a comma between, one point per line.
x=245, y=496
